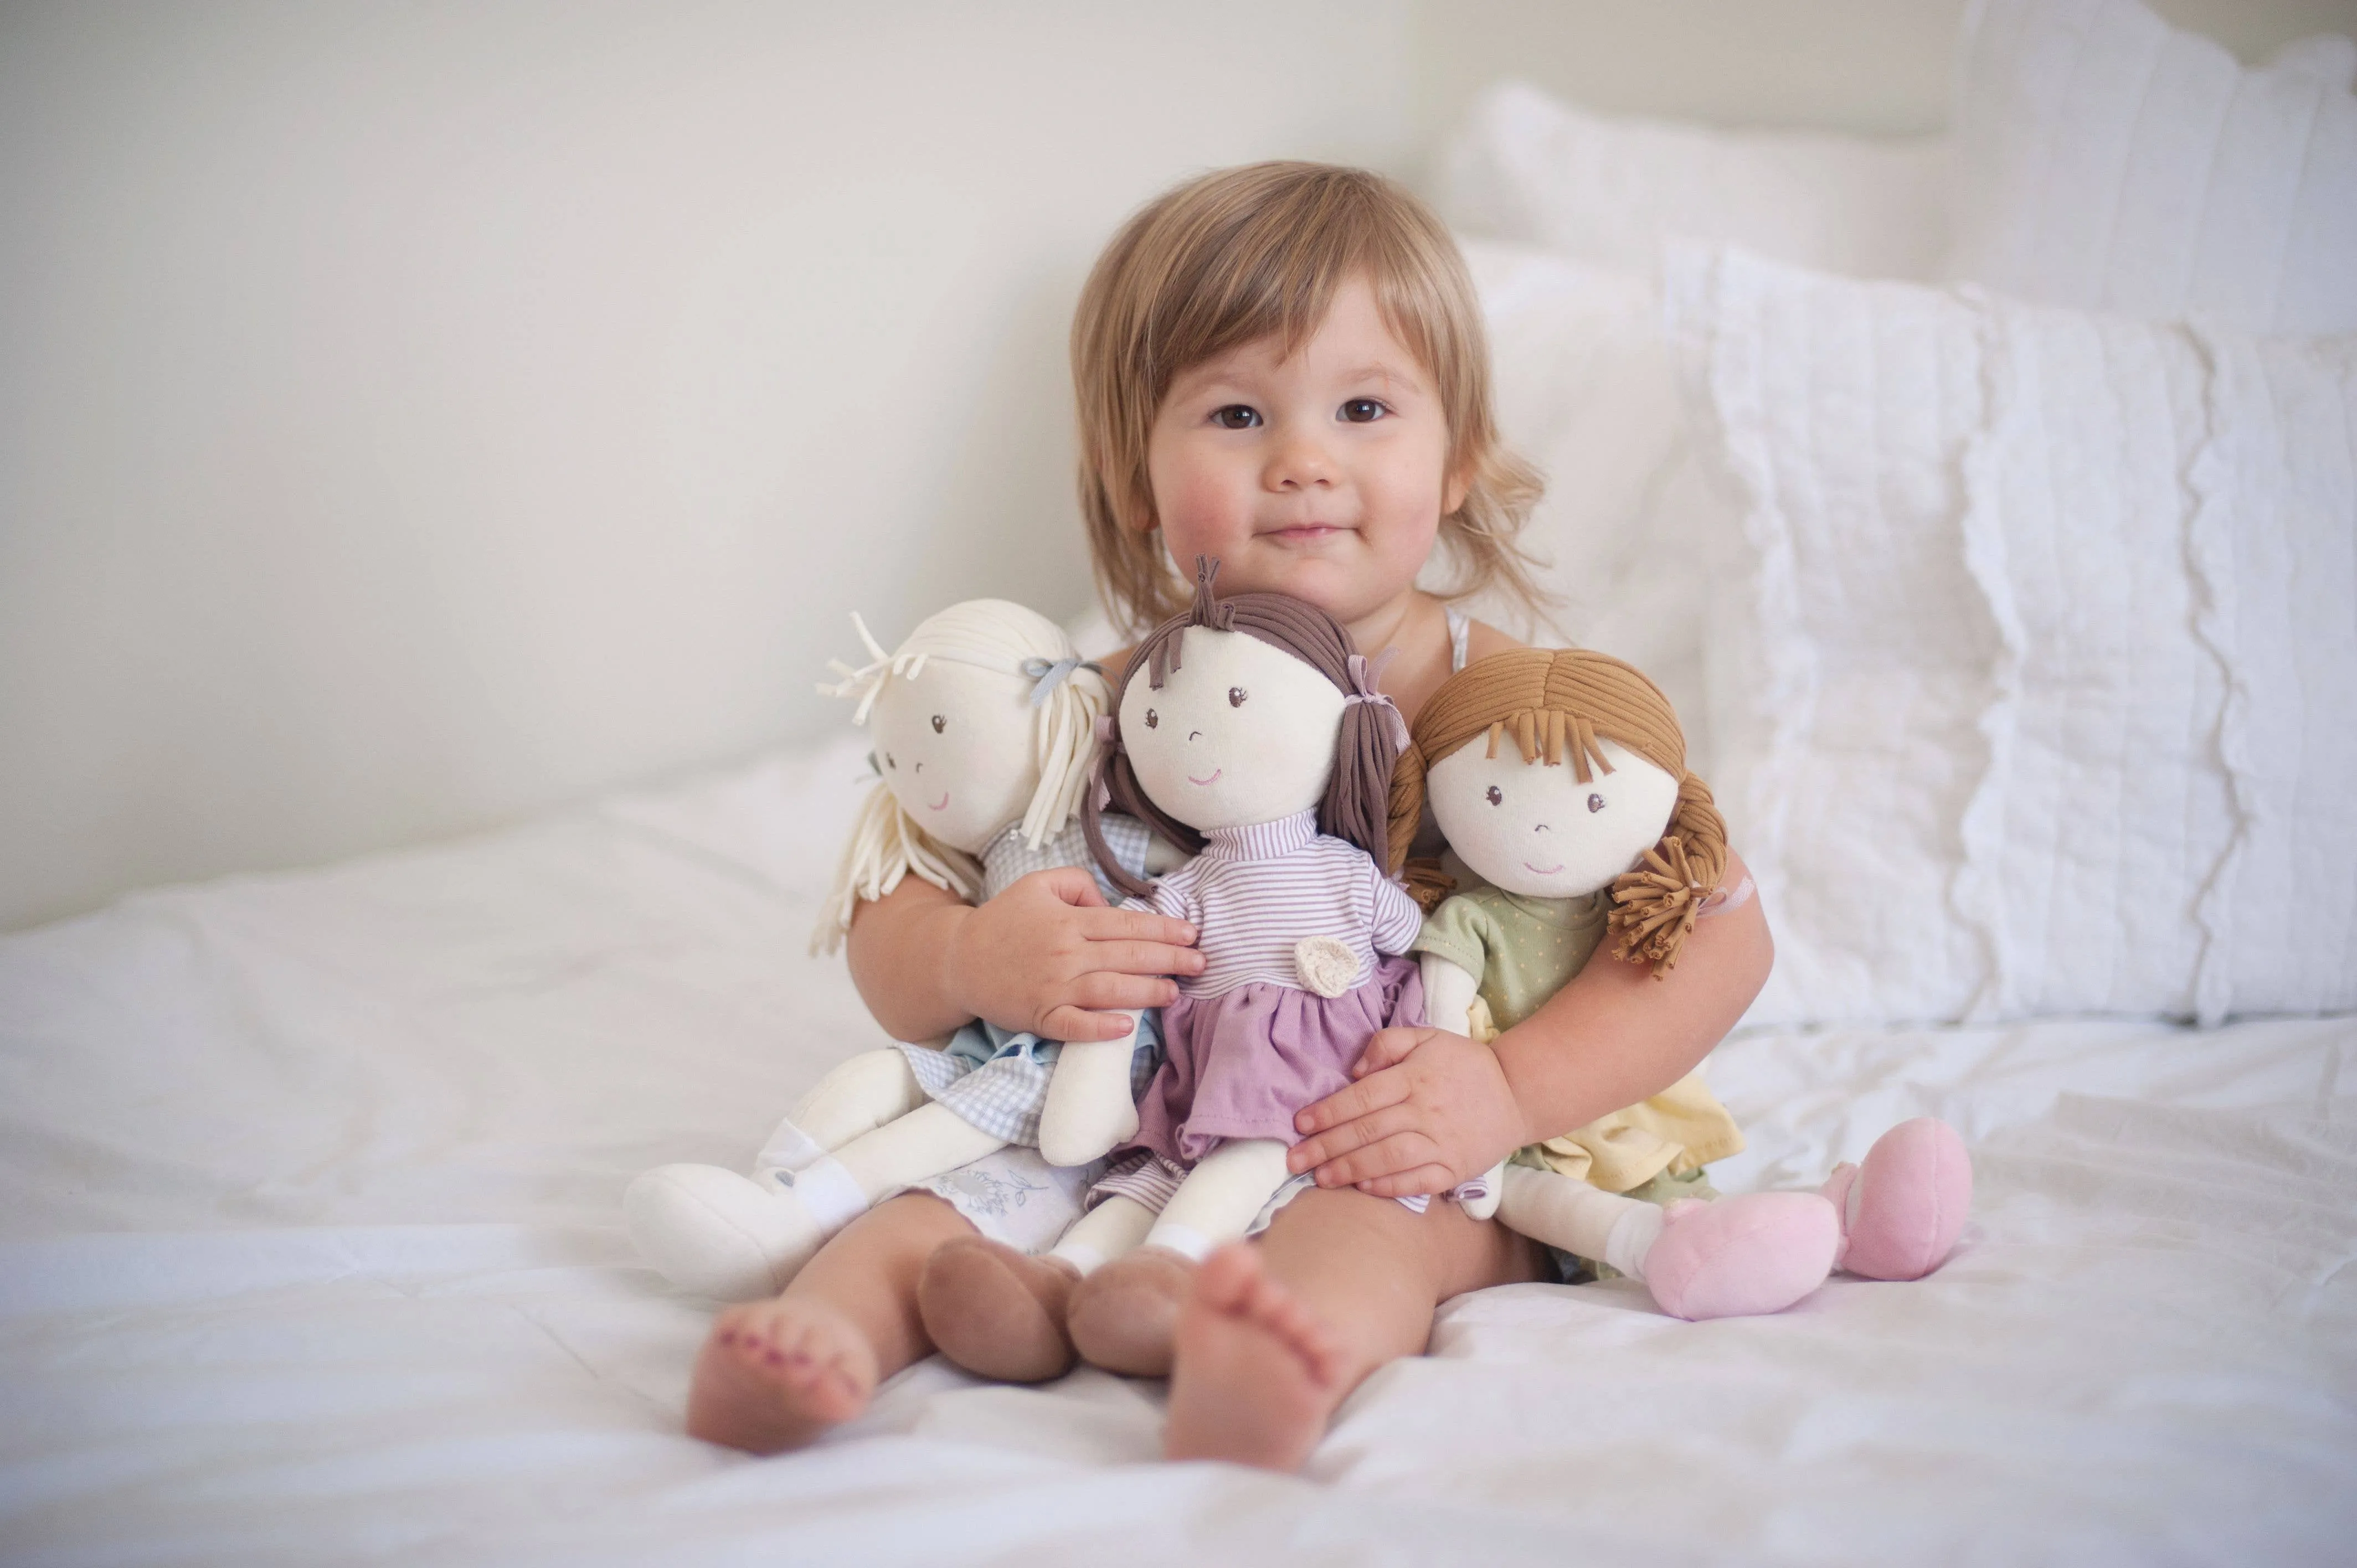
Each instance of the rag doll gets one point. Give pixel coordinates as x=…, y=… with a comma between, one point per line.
x=985, y=722
x=1249, y=728
x=1558, y=778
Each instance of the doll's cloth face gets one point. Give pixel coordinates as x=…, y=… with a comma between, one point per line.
x=1241, y=733
x=956, y=748
x=1536, y=830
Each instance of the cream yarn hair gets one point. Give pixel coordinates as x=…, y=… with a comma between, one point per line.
x=1068, y=695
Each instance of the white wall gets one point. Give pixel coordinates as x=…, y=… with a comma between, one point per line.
x=415, y=416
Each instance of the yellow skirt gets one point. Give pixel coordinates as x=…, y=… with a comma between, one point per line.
x=1682, y=1129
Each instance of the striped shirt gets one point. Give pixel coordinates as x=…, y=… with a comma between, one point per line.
x=1255, y=893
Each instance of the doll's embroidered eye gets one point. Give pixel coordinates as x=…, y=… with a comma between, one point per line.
x=1596, y=802
x=1496, y=796
x=1236, y=696
x=1151, y=719
x=889, y=762
x=939, y=724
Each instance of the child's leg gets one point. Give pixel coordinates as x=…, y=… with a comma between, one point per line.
x=1001, y=1314
x=1122, y=1316
x=774, y=1374
x=1274, y=1337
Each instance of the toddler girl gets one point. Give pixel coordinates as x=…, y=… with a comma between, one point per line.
x=1281, y=366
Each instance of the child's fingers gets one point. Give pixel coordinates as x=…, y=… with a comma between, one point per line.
x=1395, y=1156
x=1069, y=1022
x=1389, y=1048
x=1428, y=1178
x=1073, y=885
x=1144, y=958
x=1318, y=1153
x=1349, y=1105
x=1104, y=991
x=1137, y=926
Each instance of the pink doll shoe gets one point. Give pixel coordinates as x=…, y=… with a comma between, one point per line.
x=1741, y=1257
x=1903, y=1208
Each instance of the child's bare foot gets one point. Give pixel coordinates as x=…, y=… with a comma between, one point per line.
x=774, y=1374
x=1258, y=1373
x=996, y=1312
x=1124, y=1316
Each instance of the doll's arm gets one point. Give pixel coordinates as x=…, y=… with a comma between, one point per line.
x=1089, y=1110
x=1448, y=992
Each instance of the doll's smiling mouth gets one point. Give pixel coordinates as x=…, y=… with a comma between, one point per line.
x=1215, y=774
x=941, y=804
x=1540, y=870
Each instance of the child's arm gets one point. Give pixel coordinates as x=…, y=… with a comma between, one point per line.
x=1431, y=1109
x=1046, y=955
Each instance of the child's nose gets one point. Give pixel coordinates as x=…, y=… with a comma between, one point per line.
x=1299, y=462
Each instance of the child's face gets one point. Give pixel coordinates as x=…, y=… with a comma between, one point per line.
x=1324, y=476
x=1534, y=829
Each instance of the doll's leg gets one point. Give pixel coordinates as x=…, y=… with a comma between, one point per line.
x=1274, y=1335
x=774, y=1374
x=1001, y=1314
x=1122, y=1316
x=859, y=1096
x=737, y=1237
x=1738, y=1257
x=1902, y=1209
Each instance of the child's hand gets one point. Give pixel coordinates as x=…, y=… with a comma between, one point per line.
x=1047, y=951
x=1430, y=1110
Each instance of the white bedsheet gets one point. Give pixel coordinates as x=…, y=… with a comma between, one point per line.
x=309, y=1253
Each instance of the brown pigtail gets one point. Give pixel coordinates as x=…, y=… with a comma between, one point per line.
x=1655, y=906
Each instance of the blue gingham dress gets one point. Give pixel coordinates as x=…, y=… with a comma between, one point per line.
x=997, y=1079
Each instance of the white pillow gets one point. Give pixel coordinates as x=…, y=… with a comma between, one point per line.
x=2033, y=682
x=1588, y=388
x=1613, y=190
x=2106, y=160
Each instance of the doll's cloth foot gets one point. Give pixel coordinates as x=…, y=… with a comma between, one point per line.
x=996, y=1312
x=1123, y=1316
x=1258, y=1373
x=1741, y=1257
x=775, y=1374
x=718, y=1234
x=1903, y=1208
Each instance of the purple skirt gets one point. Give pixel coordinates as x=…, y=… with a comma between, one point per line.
x=1242, y=1063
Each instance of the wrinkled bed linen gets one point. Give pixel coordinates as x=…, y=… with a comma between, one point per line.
x=309, y=1253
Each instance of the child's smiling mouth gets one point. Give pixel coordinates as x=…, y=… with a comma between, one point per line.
x=1307, y=533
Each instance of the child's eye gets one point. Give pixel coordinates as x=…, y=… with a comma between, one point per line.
x=1236, y=696
x=1236, y=416
x=1363, y=411
x=1596, y=802
x=1495, y=798
x=1151, y=720
x=939, y=724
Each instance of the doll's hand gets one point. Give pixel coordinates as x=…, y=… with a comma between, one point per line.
x=1045, y=953
x=1430, y=1110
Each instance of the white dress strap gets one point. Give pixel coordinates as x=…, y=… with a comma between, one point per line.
x=1460, y=636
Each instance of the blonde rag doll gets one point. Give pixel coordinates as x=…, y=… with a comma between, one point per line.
x=985, y=721
x=1558, y=777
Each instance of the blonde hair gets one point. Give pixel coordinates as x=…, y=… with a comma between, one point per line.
x=1068, y=695
x=1244, y=253
x=1556, y=704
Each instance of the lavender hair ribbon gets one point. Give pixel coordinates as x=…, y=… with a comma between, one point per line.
x=1366, y=677
x=1048, y=674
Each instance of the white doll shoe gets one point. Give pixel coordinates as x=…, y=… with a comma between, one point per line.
x=718, y=1234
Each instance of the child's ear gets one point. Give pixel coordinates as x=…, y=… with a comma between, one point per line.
x=1452, y=494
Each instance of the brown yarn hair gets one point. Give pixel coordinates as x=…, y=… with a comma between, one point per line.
x=1555, y=705
x=1243, y=253
x=1357, y=791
